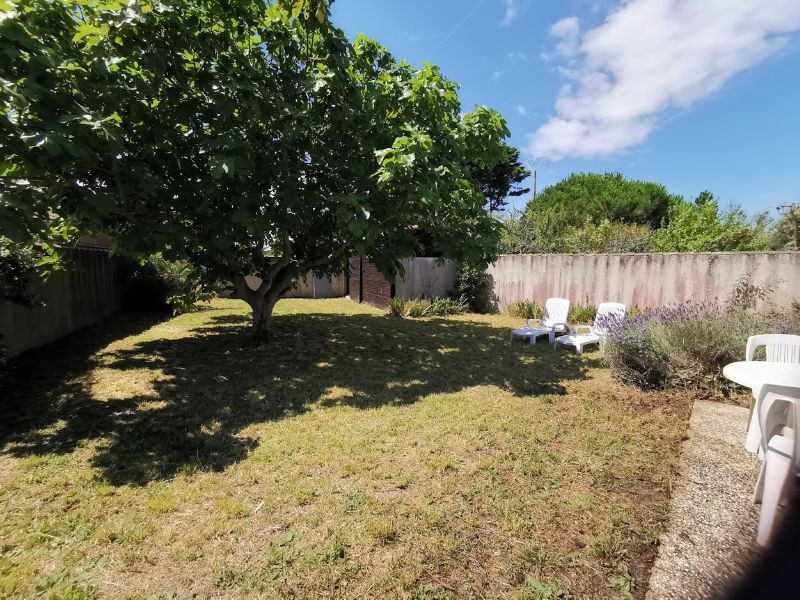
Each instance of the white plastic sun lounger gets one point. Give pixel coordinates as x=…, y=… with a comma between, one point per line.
x=554, y=321
x=580, y=336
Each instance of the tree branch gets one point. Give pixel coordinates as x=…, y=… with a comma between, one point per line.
x=277, y=266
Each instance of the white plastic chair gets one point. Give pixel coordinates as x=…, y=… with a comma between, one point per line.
x=583, y=335
x=779, y=347
x=554, y=321
x=781, y=446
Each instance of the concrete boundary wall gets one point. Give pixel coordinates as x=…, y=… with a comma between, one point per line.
x=646, y=280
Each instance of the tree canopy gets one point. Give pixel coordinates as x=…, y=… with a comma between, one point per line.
x=701, y=226
x=786, y=233
x=502, y=181
x=594, y=198
x=248, y=137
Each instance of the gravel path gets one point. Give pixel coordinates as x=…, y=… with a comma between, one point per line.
x=711, y=533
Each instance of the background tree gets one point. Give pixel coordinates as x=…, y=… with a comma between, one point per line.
x=700, y=226
x=594, y=198
x=248, y=138
x=786, y=233
x=548, y=234
x=501, y=181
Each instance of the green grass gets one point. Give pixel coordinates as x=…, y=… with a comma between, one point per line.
x=353, y=455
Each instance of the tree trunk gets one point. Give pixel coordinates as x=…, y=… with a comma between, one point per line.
x=263, y=300
x=262, y=318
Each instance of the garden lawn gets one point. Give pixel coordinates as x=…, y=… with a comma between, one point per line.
x=355, y=455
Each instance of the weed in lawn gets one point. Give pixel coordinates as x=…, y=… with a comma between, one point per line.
x=607, y=544
x=538, y=556
x=582, y=502
x=351, y=502
x=162, y=503
x=233, y=507
x=63, y=531
x=15, y=572
x=126, y=533
x=537, y=590
x=381, y=530
x=281, y=555
x=401, y=482
x=651, y=535
x=69, y=584
x=227, y=579
x=427, y=591
x=333, y=551
x=624, y=582
x=619, y=516
x=440, y=464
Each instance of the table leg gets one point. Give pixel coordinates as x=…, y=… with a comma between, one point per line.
x=753, y=441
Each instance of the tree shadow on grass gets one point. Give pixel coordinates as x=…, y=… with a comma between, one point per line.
x=215, y=384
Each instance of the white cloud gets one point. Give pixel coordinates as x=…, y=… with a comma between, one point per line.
x=649, y=56
x=568, y=32
x=514, y=8
x=518, y=56
x=522, y=110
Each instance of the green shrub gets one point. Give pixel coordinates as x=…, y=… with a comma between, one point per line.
x=473, y=285
x=438, y=307
x=549, y=232
x=701, y=226
x=526, y=309
x=636, y=311
x=397, y=307
x=17, y=266
x=159, y=284
x=449, y=306
x=581, y=314
x=418, y=308
x=687, y=346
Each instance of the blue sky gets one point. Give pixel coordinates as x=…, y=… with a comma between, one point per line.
x=695, y=94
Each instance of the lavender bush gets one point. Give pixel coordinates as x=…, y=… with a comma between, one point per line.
x=687, y=345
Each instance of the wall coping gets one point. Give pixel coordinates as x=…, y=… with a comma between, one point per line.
x=759, y=252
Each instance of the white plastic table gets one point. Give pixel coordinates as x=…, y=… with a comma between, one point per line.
x=753, y=374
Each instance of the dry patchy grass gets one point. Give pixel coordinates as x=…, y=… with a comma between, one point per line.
x=356, y=455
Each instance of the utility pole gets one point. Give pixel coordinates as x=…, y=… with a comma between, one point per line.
x=793, y=212
x=534, y=184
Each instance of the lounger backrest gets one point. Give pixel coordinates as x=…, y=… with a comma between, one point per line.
x=780, y=347
x=555, y=311
x=607, y=313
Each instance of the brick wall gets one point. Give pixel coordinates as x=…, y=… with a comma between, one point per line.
x=355, y=279
x=368, y=285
